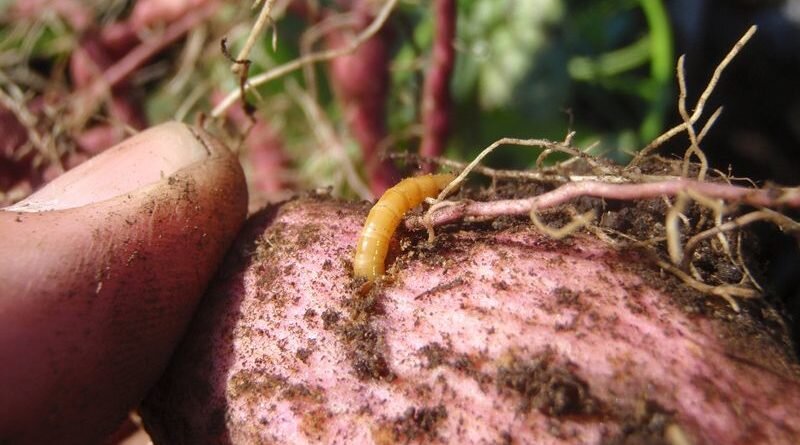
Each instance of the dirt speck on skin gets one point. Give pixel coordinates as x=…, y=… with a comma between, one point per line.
x=314, y=423
x=539, y=383
x=302, y=393
x=435, y=354
x=303, y=354
x=364, y=344
x=566, y=296
x=415, y=425
x=330, y=318
x=645, y=425
x=254, y=385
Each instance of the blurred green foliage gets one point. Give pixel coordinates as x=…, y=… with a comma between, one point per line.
x=540, y=68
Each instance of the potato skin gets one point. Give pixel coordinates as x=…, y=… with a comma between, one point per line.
x=373, y=243
x=490, y=336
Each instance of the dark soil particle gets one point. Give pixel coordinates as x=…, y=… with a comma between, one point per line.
x=416, y=424
x=463, y=363
x=644, y=426
x=330, y=318
x=441, y=288
x=303, y=354
x=435, y=354
x=254, y=385
x=303, y=393
x=549, y=388
x=566, y=297
x=365, y=351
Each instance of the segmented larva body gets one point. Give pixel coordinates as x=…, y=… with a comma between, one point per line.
x=385, y=216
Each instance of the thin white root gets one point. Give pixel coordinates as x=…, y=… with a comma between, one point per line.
x=701, y=101
x=726, y=291
x=674, y=229
x=782, y=221
x=568, y=229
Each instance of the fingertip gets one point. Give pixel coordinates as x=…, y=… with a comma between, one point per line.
x=96, y=292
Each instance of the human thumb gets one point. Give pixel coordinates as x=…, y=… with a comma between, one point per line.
x=100, y=272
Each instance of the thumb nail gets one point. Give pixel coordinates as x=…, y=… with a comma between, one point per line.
x=141, y=160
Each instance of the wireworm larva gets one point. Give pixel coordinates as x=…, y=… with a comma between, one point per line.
x=385, y=216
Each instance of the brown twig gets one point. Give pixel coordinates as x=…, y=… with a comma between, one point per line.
x=261, y=22
x=320, y=56
x=436, y=101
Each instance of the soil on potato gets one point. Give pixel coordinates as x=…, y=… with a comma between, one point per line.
x=543, y=383
x=758, y=334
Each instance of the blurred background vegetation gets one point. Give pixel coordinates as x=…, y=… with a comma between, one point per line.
x=532, y=68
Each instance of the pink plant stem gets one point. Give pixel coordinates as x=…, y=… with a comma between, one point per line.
x=361, y=81
x=767, y=197
x=436, y=101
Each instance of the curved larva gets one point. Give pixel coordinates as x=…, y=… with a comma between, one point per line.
x=385, y=216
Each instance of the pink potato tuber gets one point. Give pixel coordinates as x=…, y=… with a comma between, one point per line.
x=492, y=334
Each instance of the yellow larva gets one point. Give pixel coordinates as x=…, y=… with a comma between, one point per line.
x=385, y=216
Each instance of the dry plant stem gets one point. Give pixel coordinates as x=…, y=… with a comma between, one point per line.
x=325, y=134
x=88, y=99
x=43, y=144
x=195, y=42
x=772, y=197
x=436, y=101
x=549, y=175
x=701, y=101
x=255, y=31
x=312, y=35
x=298, y=63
